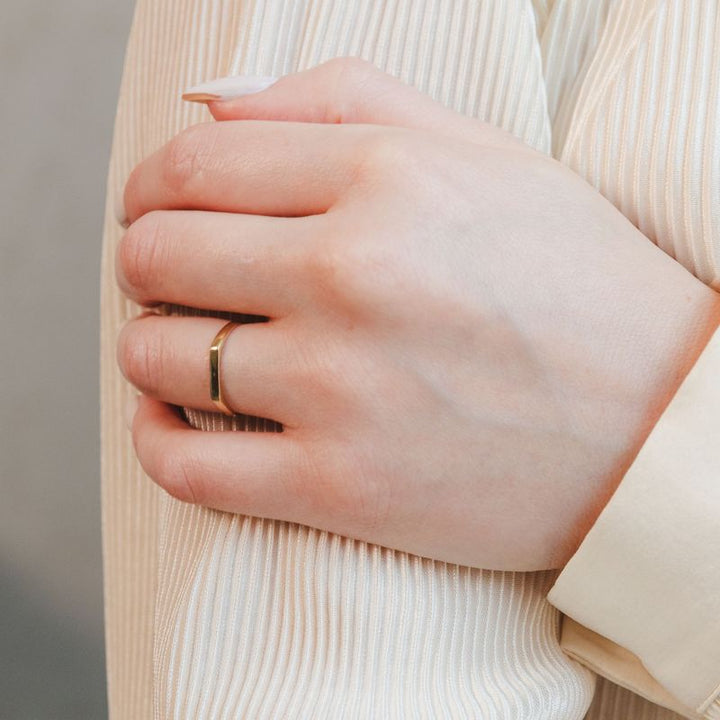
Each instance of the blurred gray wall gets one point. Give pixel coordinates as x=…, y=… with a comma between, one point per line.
x=60, y=65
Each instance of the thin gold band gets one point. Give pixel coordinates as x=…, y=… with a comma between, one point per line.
x=215, y=350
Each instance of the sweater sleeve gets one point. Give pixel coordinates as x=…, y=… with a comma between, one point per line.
x=642, y=592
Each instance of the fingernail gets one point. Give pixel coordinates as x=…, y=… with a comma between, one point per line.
x=228, y=88
x=120, y=213
x=131, y=406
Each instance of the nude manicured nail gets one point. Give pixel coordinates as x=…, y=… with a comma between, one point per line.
x=228, y=88
x=131, y=406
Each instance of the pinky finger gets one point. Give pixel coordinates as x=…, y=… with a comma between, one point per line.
x=260, y=474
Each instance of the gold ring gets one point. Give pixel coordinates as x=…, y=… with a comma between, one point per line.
x=215, y=351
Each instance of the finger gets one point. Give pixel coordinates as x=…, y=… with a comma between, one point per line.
x=168, y=358
x=259, y=167
x=221, y=261
x=342, y=90
x=258, y=474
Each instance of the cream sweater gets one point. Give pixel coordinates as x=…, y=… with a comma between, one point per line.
x=217, y=616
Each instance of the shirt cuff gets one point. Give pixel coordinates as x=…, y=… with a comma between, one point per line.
x=647, y=575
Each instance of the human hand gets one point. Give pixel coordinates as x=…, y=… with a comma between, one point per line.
x=467, y=344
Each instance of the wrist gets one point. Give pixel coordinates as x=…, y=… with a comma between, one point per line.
x=672, y=340
x=684, y=333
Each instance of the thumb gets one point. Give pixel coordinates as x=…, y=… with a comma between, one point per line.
x=342, y=90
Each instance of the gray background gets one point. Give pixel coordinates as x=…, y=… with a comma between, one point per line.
x=60, y=66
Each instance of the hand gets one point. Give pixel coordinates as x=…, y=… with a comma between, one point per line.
x=467, y=344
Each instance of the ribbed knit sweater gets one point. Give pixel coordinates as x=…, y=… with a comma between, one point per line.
x=210, y=615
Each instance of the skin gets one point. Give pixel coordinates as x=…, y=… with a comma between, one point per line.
x=467, y=343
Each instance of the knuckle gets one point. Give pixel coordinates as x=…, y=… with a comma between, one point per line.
x=142, y=361
x=331, y=277
x=187, y=155
x=386, y=154
x=350, y=277
x=351, y=72
x=323, y=268
x=142, y=256
x=348, y=65
x=349, y=81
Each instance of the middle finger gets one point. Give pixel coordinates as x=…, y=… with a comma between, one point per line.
x=217, y=261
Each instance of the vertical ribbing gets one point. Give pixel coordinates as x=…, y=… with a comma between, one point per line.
x=310, y=640
x=216, y=616
x=570, y=34
x=612, y=702
x=644, y=129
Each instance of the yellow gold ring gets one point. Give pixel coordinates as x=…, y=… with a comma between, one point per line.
x=216, y=394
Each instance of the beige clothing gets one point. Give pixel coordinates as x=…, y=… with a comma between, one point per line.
x=210, y=615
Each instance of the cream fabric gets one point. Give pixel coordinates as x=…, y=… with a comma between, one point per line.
x=217, y=616
x=647, y=573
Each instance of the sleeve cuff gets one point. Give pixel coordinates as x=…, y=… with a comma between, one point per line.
x=647, y=575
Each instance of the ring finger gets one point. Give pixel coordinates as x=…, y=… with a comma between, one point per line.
x=168, y=359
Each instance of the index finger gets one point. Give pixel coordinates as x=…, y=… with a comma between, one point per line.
x=249, y=166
